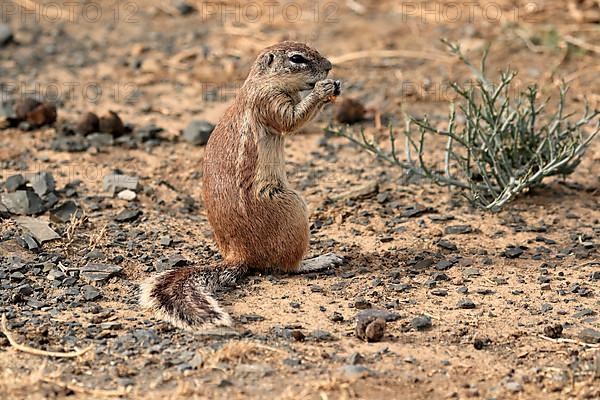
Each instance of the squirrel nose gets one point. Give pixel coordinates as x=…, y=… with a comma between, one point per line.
x=328, y=65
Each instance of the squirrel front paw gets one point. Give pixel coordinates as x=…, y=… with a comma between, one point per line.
x=328, y=89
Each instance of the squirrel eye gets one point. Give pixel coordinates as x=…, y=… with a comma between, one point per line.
x=298, y=59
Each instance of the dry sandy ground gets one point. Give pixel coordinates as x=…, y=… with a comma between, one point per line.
x=172, y=63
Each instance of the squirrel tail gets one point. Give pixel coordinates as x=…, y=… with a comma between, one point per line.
x=184, y=296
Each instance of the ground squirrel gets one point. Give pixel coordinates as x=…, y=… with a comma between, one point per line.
x=259, y=222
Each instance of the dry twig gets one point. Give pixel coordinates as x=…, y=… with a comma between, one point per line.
x=31, y=350
x=570, y=341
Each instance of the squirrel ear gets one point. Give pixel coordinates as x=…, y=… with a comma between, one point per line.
x=267, y=59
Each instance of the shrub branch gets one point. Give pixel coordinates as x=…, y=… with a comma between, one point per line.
x=502, y=146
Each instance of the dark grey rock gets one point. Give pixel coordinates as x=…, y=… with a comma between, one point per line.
x=361, y=304
x=458, y=229
x=198, y=132
x=22, y=202
x=90, y=293
x=421, y=322
x=25, y=290
x=586, y=312
x=446, y=245
x=245, y=318
x=71, y=144
x=174, y=260
x=17, y=276
x=439, y=276
x=6, y=35
x=95, y=254
x=401, y=287
x=128, y=215
x=99, y=273
x=42, y=183
x=444, y=265
x=28, y=242
x=466, y=304
x=56, y=275
x=513, y=252
x=184, y=8
x=14, y=183
x=65, y=212
x=336, y=317
x=321, y=335
x=387, y=316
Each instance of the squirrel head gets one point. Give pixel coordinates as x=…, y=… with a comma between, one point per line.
x=291, y=65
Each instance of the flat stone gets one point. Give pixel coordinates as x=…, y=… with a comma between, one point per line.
x=22, y=202
x=28, y=242
x=444, y=265
x=513, y=252
x=14, y=183
x=128, y=215
x=56, y=275
x=471, y=272
x=458, y=229
x=446, y=245
x=364, y=190
x=38, y=228
x=65, y=212
x=197, y=132
x=42, y=183
x=321, y=335
x=115, y=182
x=589, y=335
x=586, y=312
x=174, y=260
x=387, y=316
x=99, y=273
x=415, y=210
x=71, y=144
x=90, y=293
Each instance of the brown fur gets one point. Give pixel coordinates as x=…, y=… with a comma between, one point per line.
x=259, y=222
